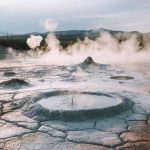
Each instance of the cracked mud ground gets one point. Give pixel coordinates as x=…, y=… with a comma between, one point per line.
x=129, y=130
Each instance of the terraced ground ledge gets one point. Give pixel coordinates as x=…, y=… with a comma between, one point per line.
x=28, y=124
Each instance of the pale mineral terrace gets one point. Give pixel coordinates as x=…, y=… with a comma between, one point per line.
x=127, y=130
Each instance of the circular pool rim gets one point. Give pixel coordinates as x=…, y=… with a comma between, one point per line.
x=37, y=111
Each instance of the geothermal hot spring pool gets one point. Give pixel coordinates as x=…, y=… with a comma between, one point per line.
x=82, y=105
x=70, y=105
x=78, y=102
x=85, y=90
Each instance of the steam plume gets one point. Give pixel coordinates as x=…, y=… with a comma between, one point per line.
x=34, y=41
x=104, y=49
x=49, y=25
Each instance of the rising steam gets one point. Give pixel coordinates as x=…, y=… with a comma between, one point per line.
x=34, y=41
x=49, y=25
x=104, y=49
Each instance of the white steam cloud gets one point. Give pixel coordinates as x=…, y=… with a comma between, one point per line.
x=53, y=44
x=104, y=49
x=34, y=41
x=49, y=25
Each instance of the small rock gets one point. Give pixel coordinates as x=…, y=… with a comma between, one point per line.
x=115, y=125
x=87, y=62
x=135, y=146
x=134, y=137
x=122, y=77
x=88, y=147
x=138, y=131
x=8, y=130
x=138, y=126
x=35, y=111
x=137, y=117
x=9, y=73
x=6, y=98
x=14, y=83
x=67, y=126
x=92, y=136
x=52, y=131
x=17, y=116
x=33, y=141
x=28, y=125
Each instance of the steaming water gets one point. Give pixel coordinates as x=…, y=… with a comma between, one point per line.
x=75, y=78
x=104, y=49
x=46, y=78
x=78, y=102
x=58, y=68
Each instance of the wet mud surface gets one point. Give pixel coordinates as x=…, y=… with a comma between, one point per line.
x=26, y=125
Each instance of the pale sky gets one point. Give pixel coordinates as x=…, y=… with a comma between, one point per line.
x=22, y=16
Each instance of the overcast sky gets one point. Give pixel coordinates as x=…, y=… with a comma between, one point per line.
x=21, y=16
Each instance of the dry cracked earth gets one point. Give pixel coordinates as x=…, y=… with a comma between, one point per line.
x=128, y=130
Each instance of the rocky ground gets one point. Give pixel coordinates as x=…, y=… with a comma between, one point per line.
x=129, y=130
